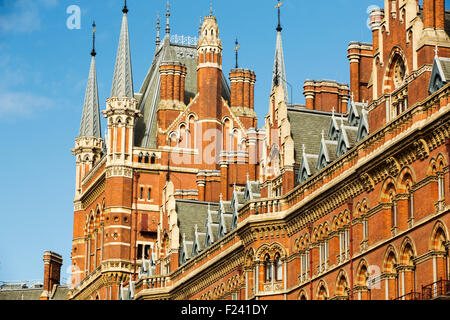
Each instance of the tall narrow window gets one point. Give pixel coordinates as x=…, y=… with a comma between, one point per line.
x=347, y=243
x=365, y=229
x=147, y=252
x=410, y=203
x=149, y=195
x=268, y=269
x=393, y=212
x=139, y=251
x=279, y=269
x=141, y=194
x=441, y=186
x=307, y=265
x=302, y=267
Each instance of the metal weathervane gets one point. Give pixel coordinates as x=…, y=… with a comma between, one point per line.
x=236, y=49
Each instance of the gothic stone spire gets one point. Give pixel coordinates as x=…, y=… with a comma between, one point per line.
x=90, y=120
x=123, y=77
x=279, y=68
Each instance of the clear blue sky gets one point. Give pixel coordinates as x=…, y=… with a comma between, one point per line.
x=43, y=74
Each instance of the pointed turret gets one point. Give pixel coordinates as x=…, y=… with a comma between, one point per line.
x=89, y=143
x=90, y=120
x=209, y=68
x=279, y=69
x=123, y=77
x=121, y=113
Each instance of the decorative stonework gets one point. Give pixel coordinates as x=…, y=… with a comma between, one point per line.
x=119, y=171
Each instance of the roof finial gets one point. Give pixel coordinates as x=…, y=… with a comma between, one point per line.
x=211, y=12
x=323, y=135
x=158, y=41
x=125, y=8
x=200, y=26
x=93, y=53
x=332, y=112
x=221, y=197
x=436, y=50
x=304, y=149
x=236, y=49
x=278, y=6
x=168, y=17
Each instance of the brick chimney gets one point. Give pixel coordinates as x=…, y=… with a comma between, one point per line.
x=173, y=76
x=326, y=95
x=52, y=273
x=434, y=14
x=242, y=82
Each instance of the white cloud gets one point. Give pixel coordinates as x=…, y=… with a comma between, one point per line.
x=22, y=16
x=22, y=103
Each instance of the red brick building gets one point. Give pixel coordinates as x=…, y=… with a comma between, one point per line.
x=345, y=197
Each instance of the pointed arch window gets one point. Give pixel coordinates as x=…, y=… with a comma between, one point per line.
x=278, y=268
x=267, y=269
x=410, y=202
x=304, y=266
x=393, y=210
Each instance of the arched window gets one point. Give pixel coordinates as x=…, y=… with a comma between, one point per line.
x=342, y=287
x=322, y=293
x=410, y=203
x=438, y=244
x=393, y=210
x=267, y=269
x=183, y=140
x=279, y=268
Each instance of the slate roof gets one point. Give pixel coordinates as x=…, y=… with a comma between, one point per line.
x=324, y=135
x=306, y=129
x=440, y=74
x=33, y=293
x=191, y=213
x=445, y=65
x=203, y=223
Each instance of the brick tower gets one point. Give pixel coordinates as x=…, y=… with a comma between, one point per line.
x=121, y=113
x=89, y=148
